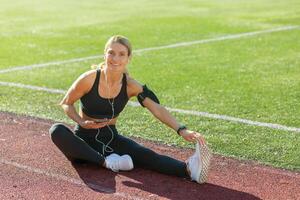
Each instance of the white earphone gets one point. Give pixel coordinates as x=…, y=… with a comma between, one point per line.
x=106, y=147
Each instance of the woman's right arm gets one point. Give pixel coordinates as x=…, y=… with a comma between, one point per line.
x=81, y=86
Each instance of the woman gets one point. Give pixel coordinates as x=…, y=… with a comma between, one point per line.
x=103, y=94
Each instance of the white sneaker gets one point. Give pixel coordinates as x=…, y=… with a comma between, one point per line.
x=116, y=162
x=198, y=164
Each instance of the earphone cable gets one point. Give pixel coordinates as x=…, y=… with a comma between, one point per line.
x=106, y=147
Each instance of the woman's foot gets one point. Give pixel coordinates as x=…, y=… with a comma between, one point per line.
x=116, y=162
x=198, y=163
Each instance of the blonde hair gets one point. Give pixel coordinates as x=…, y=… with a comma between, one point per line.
x=116, y=39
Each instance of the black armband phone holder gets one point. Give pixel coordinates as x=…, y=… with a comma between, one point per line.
x=147, y=93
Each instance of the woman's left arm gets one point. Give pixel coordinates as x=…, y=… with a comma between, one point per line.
x=165, y=117
x=161, y=113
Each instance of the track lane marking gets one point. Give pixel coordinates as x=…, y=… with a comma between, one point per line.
x=175, y=45
x=181, y=111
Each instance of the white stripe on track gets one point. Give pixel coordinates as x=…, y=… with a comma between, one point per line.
x=234, y=119
x=226, y=37
x=181, y=44
x=29, y=67
x=188, y=112
x=31, y=87
x=70, y=180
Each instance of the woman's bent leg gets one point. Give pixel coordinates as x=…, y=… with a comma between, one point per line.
x=72, y=146
x=149, y=159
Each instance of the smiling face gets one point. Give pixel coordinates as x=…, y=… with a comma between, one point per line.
x=116, y=57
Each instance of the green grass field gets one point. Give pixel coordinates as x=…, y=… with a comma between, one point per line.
x=255, y=78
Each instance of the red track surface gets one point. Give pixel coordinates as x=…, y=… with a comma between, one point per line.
x=31, y=167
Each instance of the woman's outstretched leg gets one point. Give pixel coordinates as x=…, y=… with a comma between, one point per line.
x=196, y=168
x=149, y=159
x=72, y=146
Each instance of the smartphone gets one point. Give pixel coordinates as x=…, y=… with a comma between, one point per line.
x=101, y=120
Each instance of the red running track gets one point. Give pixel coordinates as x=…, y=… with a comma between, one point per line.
x=31, y=167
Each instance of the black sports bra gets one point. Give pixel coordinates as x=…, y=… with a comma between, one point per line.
x=95, y=106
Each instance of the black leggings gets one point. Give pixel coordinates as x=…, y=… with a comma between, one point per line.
x=83, y=146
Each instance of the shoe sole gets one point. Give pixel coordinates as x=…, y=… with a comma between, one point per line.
x=205, y=156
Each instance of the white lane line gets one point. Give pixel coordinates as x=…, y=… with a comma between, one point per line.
x=29, y=67
x=234, y=119
x=181, y=111
x=226, y=37
x=70, y=180
x=181, y=44
x=31, y=87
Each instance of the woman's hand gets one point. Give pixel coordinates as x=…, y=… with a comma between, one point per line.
x=192, y=136
x=89, y=124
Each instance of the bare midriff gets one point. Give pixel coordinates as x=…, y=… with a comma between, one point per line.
x=109, y=120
